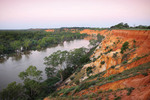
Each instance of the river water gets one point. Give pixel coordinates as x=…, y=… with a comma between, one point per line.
x=10, y=69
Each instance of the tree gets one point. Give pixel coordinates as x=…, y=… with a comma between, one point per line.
x=77, y=57
x=31, y=73
x=31, y=78
x=60, y=63
x=16, y=45
x=93, y=42
x=120, y=26
x=99, y=38
x=13, y=91
x=27, y=43
x=56, y=63
x=2, y=49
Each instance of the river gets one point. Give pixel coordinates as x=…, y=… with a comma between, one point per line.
x=10, y=68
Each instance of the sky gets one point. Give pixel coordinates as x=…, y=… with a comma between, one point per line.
x=25, y=14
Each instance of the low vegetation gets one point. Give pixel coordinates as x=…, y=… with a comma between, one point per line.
x=112, y=78
x=124, y=47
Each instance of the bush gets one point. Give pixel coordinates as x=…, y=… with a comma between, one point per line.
x=117, y=98
x=99, y=98
x=124, y=47
x=85, y=85
x=72, y=78
x=110, y=90
x=108, y=51
x=124, y=62
x=88, y=70
x=66, y=91
x=103, y=62
x=77, y=82
x=129, y=90
x=94, y=59
x=114, y=55
x=100, y=91
x=145, y=74
x=107, y=47
x=110, y=77
x=113, y=67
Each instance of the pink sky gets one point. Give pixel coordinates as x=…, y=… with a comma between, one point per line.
x=20, y=14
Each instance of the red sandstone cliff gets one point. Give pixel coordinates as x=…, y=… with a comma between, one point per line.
x=122, y=71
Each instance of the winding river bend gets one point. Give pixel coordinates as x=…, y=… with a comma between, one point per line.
x=10, y=68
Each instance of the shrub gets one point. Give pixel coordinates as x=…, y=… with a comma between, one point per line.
x=100, y=91
x=129, y=90
x=94, y=59
x=66, y=91
x=110, y=77
x=77, y=82
x=85, y=85
x=113, y=67
x=108, y=51
x=145, y=74
x=85, y=96
x=99, y=98
x=78, y=69
x=110, y=90
x=117, y=98
x=72, y=78
x=124, y=47
x=103, y=62
x=88, y=70
x=114, y=55
x=107, y=47
x=98, y=57
x=124, y=62
x=93, y=95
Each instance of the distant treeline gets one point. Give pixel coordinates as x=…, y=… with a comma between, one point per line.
x=126, y=26
x=17, y=40
x=117, y=26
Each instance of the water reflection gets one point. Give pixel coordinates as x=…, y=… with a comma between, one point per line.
x=27, y=53
x=17, y=57
x=11, y=66
x=3, y=59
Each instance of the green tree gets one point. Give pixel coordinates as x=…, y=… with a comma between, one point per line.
x=2, y=49
x=13, y=91
x=93, y=42
x=27, y=43
x=61, y=63
x=16, y=45
x=77, y=57
x=31, y=78
x=31, y=73
x=99, y=38
x=56, y=63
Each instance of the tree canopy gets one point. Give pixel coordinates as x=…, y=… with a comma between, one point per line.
x=59, y=61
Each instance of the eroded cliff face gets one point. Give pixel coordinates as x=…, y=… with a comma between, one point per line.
x=94, y=32
x=115, y=70
x=50, y=30
x=109, y=50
